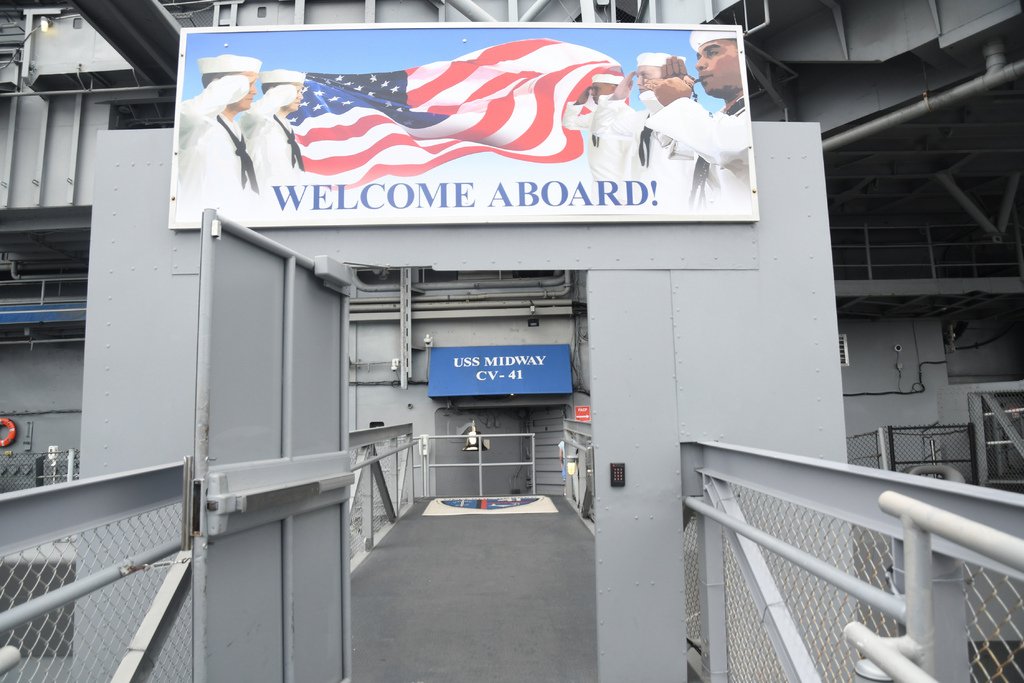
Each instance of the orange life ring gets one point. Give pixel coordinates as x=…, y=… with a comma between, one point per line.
x=12, y=432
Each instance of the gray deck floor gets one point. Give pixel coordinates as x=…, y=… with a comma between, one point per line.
x=475, y=598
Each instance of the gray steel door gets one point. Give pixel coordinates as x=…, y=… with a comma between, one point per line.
x=270, y=523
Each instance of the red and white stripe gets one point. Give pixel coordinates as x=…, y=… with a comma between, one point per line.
x=507, y=99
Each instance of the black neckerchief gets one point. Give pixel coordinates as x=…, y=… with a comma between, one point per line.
x=248, y=172
x=296, y=152
x=644, y=149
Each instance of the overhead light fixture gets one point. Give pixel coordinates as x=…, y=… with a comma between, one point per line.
x=473, y=440
x=45, y=24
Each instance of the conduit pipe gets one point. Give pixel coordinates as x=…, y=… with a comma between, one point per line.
x=482, y=285
x=997, y=77
x=460, y=303
x=16, y=274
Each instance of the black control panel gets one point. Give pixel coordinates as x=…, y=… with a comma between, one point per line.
x=618, y=474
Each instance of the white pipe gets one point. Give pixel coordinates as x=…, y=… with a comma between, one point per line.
x=10, y=657
x=884, y=656
x=981, y=539
x=995, y=55
x=1010, y=72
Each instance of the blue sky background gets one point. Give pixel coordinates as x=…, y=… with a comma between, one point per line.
x=367, y=50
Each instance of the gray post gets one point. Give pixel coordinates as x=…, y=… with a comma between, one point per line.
x=883, y=450
x=949, y=596
x=713, y=622
x=976, y=413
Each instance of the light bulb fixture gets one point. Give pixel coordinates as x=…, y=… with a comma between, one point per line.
x=473, y=440
x=45, y=24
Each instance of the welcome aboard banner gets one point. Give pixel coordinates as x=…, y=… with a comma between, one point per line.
x=356, y=125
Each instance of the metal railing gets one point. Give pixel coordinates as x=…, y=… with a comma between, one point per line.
x=79, y=570
x=88, y=559
x=998, y=423
x=784, y=552
x=26, y=470
x=383, y=462
x=431, y=464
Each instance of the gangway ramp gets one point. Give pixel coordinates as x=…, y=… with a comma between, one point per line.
x=475, y=598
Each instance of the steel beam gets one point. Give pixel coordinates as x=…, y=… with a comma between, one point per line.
x=44, y=514
x=471, y=10
x=929, y=287
x=143, y=32
x=967, y=203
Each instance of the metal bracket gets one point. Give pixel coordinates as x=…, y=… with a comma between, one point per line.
x=273, y=489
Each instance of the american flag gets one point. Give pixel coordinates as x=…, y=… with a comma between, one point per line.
x=507, y=99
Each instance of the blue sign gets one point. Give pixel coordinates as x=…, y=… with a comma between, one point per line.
x=500, y=370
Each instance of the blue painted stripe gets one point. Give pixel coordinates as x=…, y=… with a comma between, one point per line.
x=42, y=313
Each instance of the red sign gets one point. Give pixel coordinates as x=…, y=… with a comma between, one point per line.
x=583, y=413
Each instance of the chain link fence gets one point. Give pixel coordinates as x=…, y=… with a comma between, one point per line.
x=998, y=423
x=904, y=448
x=995, y=611
x=85, y=640
x=368, y=519
x=865, y=450
x=27, y=470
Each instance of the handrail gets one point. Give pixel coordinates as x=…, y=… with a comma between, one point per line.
x=36, y=607
x=876, y=597
x=849, y=491
x=385, y=454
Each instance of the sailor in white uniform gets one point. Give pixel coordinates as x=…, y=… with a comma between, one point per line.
x=609, y=159
x=275, y=151
x=653, y=156
x=215, y=169
x=722, y=181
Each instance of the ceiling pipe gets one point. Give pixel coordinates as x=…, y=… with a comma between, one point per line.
x=995, y=55
x=465, y=286
x=995, y=78
x=16, y=274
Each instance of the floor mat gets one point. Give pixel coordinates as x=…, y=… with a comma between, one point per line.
x=506, y=505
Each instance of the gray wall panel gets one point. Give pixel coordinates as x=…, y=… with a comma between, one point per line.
x=41, y=391
x=139, y=381
x=873, y=369
x=757, y=355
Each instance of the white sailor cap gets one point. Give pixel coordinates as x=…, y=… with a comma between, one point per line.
x=228, y=64
x=610, y=79
x=652, y=58
x=282, y=76
x=698, y=38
